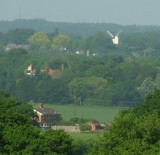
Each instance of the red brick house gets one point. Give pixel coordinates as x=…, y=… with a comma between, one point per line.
x=95, y=126
x=46, y=116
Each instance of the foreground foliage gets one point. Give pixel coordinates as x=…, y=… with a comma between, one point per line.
x=135, y=131
x=19, y=136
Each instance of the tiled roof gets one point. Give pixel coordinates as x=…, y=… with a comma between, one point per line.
x=46, y=110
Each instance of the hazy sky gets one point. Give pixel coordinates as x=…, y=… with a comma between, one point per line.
x=125, y=12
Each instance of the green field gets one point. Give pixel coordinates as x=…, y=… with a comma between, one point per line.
x=85, y=136
x=101, y=114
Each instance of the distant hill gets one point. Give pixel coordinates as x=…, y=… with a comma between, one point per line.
x=74, y=30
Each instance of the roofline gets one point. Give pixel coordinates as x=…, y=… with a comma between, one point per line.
x=38, y=112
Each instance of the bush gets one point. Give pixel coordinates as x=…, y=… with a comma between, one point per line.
x=85, y=127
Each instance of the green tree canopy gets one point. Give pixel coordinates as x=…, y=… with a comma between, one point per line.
x=19, y=136
x=39, y=39
x=147, y=87
x=134, y=131
x=60, y=41
x=87, y=86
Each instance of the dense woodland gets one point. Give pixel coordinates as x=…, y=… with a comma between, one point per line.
x=119, y=75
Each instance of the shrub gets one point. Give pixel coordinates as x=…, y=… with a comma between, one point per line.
x=85, y=127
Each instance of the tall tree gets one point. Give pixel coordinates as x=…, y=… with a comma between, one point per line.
x=39, y=40
x=61, y=41
x=134, y=131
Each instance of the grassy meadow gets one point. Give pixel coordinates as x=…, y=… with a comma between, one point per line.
x=100, y=113
x=85, y=136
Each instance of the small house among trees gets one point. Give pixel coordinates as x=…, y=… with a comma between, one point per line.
x=46, y=116
x=30, y=70
x=13, y=46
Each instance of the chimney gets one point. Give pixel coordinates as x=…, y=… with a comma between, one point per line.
x=31, y=67
x=62, y=67
x=41, y=105
x=88, y=52
x=46, y=69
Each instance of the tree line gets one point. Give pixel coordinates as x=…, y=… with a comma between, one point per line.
x=131, y=45
x=103, y=80
x=117, y=75
x=74, y=30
